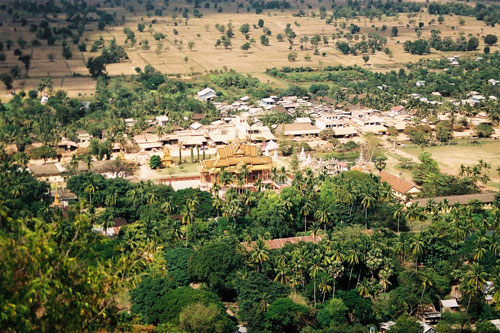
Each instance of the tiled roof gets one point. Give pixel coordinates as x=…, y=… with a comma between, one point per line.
x=280, y=242
x=460, y=199
x=398, y=184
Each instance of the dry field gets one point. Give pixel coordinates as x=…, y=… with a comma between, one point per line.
x=451, y=157
x=204, y=56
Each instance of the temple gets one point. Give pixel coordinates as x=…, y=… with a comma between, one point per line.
x=233, y=159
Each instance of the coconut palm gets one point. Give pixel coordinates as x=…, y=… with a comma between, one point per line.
x=305, y=210
x=260, y=253
x=313, y=272
x=474, y=281
x=367, y=202
x=417, y=245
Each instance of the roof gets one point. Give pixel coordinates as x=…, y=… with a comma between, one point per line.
x=297, y=129
x=460, y=199
x=496, y=323
x=205, y=91
x=398, y=184
x=192, y=140
x=449, y=303
x=45, y=170
x=63, y=194
x=281, y=242
x=234, y=155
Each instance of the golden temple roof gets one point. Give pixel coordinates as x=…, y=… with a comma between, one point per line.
x=234, y=155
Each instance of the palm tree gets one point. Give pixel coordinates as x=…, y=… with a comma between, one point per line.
x=322, y=216
x=132, y=194
x=259, y=185
x=305, y=210
x=417, y=245
x=167, y=206
x=313, y=272
x=426, y=281
x=324, y=286
x=352, y=259
x=90, y=189
x=475, y=279
x=260, y=253
x=188, y=213
x=367, y=201
x=107, y=224
x=364, y=288
x=335, y=270
x=398, y=213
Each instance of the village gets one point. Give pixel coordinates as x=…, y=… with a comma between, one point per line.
x=240, y=138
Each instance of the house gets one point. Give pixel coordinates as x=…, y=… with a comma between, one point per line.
x=496, y=323
x=400, y=187
x=420, y=83
x=162, y=120
x=303, y=120
x=148, y=142
x=206, y=94
x=268, y=103
x=297, y=130
x=484, y=198
x=195, y=126
x=385, y=327
x=83, y=136
x=426, y=327
x=399, y=109
x=112, y=231
x=427, y=314
x=494, y=82
x=488, y=291
x=449, y=305
x=281, y=242
x=49, y=172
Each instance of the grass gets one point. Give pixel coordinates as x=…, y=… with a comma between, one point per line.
x=184, y=170
x=451, y=157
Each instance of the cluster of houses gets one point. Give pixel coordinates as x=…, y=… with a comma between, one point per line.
x=427, y=315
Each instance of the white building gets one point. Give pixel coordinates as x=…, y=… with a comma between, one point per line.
x=206, y=94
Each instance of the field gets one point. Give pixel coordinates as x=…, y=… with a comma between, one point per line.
x=174, y=56
x=451, y=157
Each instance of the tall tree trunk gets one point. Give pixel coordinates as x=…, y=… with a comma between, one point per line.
x=305, y=223
x=314, y=292
x=350, y=276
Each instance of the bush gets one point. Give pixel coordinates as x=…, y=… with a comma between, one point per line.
x=155, y=162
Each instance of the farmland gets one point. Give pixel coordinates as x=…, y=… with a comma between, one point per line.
x=189, y=44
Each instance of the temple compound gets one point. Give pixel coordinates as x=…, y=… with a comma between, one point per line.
x=238, y=160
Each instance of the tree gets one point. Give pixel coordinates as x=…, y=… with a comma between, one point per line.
x=440, y=19
x=333, y=313
x=264, y=40
x=141, y=27
x=260, y=23
x=245, y=46
x=155, y=162
x=490, y=39
x=472, y=44
x=245, y=28
x=406, y=324
x=380, y=162
x=7, y=79
x=394, y=31
x=198, y=317
x=292, y=56
x=484, y=130
x=284, y=315
x=66, y=53
x=366, y=58
x=44, y=270
x=96, y=67
x=216, y=264
x=190, y=45
x=43, y=152
x=260, y=253
x=343, y=47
